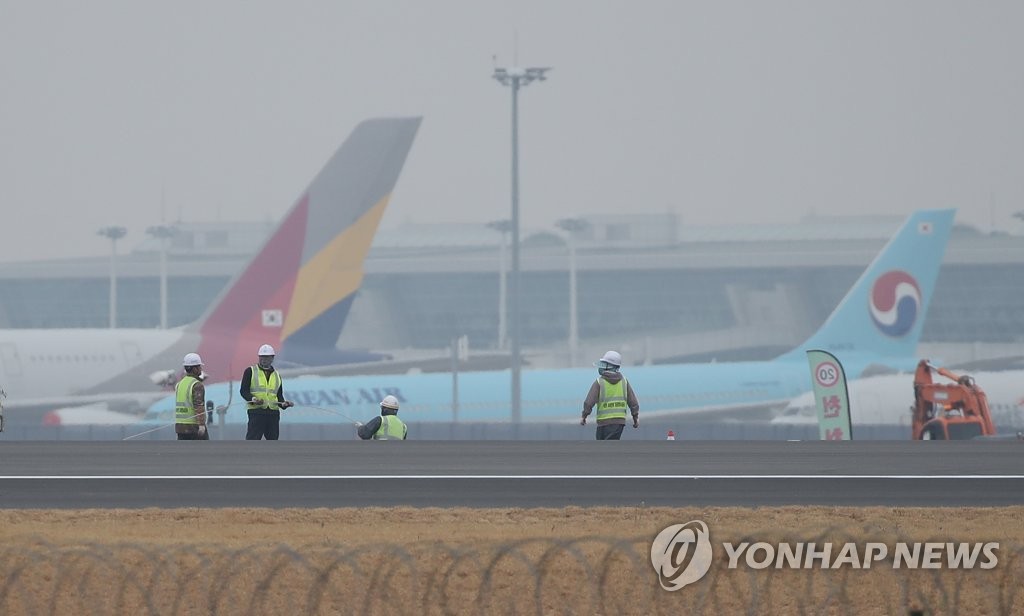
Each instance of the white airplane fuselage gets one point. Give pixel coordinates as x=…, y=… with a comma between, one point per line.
x=43, y=363
x=886, y=400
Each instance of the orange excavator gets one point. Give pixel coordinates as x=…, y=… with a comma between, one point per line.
x=948, y=411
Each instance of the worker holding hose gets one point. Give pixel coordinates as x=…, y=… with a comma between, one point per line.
x=190, y=402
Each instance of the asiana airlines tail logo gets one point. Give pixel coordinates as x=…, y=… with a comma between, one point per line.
x=681, y=554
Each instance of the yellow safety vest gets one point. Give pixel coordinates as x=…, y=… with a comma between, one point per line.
x=391, y=429
x=184, y=412
x=264, y=390
x=611, y=401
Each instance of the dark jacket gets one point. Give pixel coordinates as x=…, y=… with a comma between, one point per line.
x=595, y=392
x=368, y=429
x=246, y=389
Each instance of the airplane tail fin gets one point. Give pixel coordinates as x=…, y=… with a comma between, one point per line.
x=883, y=313
x=296, y=292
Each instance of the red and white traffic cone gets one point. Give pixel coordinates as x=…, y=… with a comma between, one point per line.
x=671, y=436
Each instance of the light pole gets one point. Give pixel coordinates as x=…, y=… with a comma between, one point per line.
x=113, y=234
x=572, y=226
x=516, y=78
x=503, y=227
x=162, y=233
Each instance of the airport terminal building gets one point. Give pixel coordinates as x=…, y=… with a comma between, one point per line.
x=656, y=289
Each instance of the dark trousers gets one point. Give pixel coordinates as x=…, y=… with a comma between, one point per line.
x=611, y=432
x=263, y=424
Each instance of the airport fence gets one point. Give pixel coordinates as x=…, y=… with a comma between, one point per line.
x=580, y=576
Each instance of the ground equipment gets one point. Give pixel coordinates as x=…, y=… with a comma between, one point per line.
x=948, y=411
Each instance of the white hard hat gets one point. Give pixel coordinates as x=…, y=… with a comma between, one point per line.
x=266, y=349
x=192, y=359
x=613, y=358
x=389, y=402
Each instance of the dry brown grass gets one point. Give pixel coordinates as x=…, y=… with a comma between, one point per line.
x=239, y=527
x=570, y=560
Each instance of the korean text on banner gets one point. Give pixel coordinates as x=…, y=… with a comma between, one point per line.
x=831, y=396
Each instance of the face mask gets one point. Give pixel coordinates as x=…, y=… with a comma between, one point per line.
x=266, y=362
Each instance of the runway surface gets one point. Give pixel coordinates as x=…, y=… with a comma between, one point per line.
x=508, y=474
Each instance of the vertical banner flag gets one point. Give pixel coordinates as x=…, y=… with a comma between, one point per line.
x=830, y=396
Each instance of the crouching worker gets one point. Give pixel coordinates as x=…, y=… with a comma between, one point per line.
x=190, y=402
x=386, y=426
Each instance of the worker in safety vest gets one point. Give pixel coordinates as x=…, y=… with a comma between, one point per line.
x=386, y=426
x=263, y=391
x=190, y=402
x=612, y=394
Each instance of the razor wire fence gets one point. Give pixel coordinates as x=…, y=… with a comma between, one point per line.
x=538, y=576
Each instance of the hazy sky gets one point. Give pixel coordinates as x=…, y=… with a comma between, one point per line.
x=738, y=111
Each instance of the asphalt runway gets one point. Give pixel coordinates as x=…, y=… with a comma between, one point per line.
x=84, y=474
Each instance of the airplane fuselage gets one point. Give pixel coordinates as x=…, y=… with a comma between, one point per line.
x=886, y=400
x=547, y=395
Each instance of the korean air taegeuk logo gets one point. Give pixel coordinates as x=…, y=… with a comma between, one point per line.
x=895, y=303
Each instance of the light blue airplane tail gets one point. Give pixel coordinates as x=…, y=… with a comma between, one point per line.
x=882, y=315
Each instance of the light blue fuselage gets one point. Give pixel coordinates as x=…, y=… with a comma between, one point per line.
x=879, y=321
x=547, y=395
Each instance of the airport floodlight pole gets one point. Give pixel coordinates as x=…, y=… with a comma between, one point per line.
x=113, y=234
x=572, y=226
x=516, y=78
x=162, y=233
x=503, y=227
